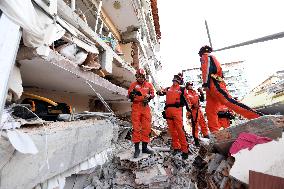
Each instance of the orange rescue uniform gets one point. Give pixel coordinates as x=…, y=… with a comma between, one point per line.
x=217, y=94
x=141, y=114
x=196, y=113
x=174, y=108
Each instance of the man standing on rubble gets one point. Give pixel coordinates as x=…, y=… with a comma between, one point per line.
x=195, y=114
x=140, y=93
x=216, y=91
x=175, y=100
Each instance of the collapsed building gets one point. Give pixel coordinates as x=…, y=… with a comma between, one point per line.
x=81, y=55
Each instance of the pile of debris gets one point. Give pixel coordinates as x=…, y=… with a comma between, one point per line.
x=216, y=168
x=209, y=167
x=160, y=170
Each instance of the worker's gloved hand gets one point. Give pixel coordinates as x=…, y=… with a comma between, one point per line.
x=146, y=99
x=160, y=92
x=131, y=96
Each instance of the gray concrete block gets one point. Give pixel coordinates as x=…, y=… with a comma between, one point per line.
x=68, y=145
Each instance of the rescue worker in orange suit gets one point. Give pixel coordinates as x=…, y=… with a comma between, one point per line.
x=225, y=116
x=216, y=91
x=140, y=93
x=175, y=100
x=196, y=115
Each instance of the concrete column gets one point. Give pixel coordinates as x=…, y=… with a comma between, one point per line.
x=9, y=43
x=73, y=5
x=98, y=15
x=107, y=60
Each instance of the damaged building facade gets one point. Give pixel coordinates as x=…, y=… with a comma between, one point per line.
x=268, y=96
x=81, y=54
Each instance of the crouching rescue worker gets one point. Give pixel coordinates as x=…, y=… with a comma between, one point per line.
x=140, y=93
x=216, y=91
x=195, y=114
x=175, y=100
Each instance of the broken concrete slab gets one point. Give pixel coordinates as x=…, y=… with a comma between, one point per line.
x=61, y=147
x=125, y=160
x=268, y=126
x=153, y=175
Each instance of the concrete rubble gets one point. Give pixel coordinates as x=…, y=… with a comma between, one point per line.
x=215, y=169
x=110, y=162
x=206, y=168
x=160, y=170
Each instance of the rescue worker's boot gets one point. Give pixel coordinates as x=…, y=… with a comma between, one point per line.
x=196, y=142
x=184, y=155
x=145, y=149
x=137, y=150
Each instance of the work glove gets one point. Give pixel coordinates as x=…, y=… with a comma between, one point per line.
x=131, y=95
x=146, y=99
x=160, y=92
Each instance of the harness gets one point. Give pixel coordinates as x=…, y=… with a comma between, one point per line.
x=182, y=100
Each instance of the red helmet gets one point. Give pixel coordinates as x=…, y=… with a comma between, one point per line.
x=205, y=49
x=140, y=72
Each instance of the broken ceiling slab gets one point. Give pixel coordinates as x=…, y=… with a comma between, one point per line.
x=60, y=74
x=71, y=17
x=267, y=126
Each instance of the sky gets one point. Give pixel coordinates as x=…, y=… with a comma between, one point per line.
x=230, y=22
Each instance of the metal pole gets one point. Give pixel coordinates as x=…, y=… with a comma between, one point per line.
x=208, y=34
x=101, y=99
